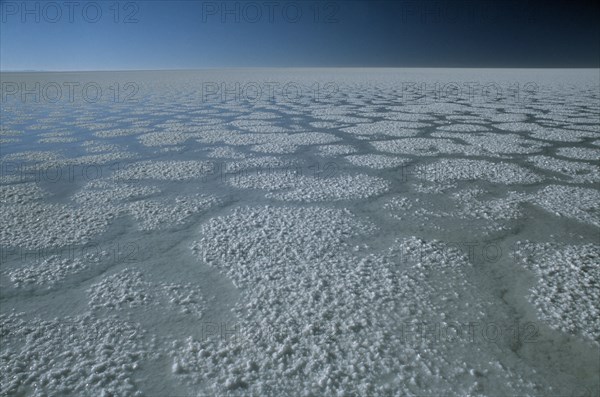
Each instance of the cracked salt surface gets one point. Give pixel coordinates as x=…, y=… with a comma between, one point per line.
x=579, y=172
x=568, y=290
x=477, y=170
x=81, y=355
x=420, y=146
x=390, y=128
x=288, y=186
x=128, y=289
x=582, y=204
x=152, y=215
x=376, y=161
x=335, y=150
x=491, y=143
x=165, y=170
x=37, y=225
x=309, y=247
x=579, y=153
x=54, y=269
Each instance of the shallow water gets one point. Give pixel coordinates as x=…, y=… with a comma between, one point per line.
x=345, y=235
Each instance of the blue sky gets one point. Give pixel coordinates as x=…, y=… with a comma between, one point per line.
x=201, y=34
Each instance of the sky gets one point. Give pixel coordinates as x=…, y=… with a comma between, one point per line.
x=131, y=35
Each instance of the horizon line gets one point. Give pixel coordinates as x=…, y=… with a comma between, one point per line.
x=285, y=67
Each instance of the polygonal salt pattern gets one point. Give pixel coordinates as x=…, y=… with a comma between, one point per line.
x=36, y=225
x=303, y=312
x=152, y=214
x=376, y=161
x=290, y=186
x=493, y=144
x=389, y=128
x=579, y=153
x=54, y=269
x=323, y=233
x=21, y=193
x=567, y=291
x=128, y=289
x=80, y=355
x=420, y=146
x=577, y=171
x=335, y=150
x=165, y=170
x=579, y=203
x=474, y=170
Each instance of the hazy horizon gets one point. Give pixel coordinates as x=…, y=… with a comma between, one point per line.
x=292, y=67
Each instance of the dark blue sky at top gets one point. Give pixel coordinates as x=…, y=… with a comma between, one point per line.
x=207, y=34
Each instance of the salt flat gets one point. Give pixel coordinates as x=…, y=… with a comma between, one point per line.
x=343, y=232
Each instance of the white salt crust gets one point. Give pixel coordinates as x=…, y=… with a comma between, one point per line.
x=226, y=152
x=484, y=215
x=376, y=161
x=163, y=138
x=289, y=143
x=260, y=164
x=4, y=131
x=576, y=171
x=398, y=206
x=498, y=209
x=98, y=146
x=463, y=128
x=320, y=312
x=58, y=139
x=107, y=193
x=492, y=143
x=159, y=214
x=21, y=193
x=275, y=148
x=579, y=203
x=6, y=141
x=36, y=225
x=547, y=133
x=128, y=289
x=341, y=119
x=136, y=201
x=170, y=149
x=521, y=127
x=90, y=160
x=567, y=291
x=470, y=170
x=291, y=186
x=120, y=132
x=309, y=327
x=560, y=135
x=579, y=153
x=268, y=128
x=325, y=124
x=335, y=150
x=420, y=146
x=389, y=128
x=81, y=355
x=396, y=114
x=278, y=142
x=164, y=170
x=54, y=269
x=34, y=156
